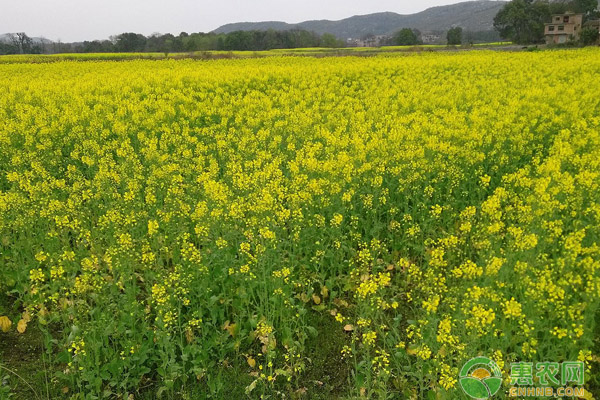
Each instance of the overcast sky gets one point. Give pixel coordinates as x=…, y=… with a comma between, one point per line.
x=78, y=20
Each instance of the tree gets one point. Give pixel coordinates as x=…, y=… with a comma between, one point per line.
x=23, y=43
x=238, y=40
x=454, y=36
x=481, y=36
x=166, y=43
x=522, y=21
x=130, y=42
x=329, y=40
x=155, y=43
x=15, y=42
x=406, y=37
x=586, y=7
x=8, y=48
x=589, y=36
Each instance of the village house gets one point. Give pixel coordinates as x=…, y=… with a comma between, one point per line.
x=368, y=41
x=563, y=28
x=431, y=38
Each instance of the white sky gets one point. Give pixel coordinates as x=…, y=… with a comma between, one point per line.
x=78, y=20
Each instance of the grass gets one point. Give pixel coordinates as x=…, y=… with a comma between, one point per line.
x=24, y=370
x=29, y=376
x=327, y=377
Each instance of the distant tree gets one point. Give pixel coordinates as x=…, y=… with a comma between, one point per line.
x=304, y=38
x=454, y=36
x=405, y=37
x=57, y=47
x=91, y=47
x=481, y=36
x=557, y=7
x=522, y=21
x=166, y=43
x=201, y=42
x=177, y=43
x=15, y=42
x=42, y=46
x=155, y=43
x=167, y=46
x=586, y=7
x=23, y=43
x=238, y=40
x=97, y=46
x=220, y=42
x=8, y=48
x=271, y=39
x=589, y=36
x=130, y=42
x=329, y=40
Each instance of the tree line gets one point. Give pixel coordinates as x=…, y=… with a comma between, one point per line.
x=168, y=43
x=454, y=36
x=257, y=40
x=20, y=43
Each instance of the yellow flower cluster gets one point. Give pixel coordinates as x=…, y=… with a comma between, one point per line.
x=438, y=206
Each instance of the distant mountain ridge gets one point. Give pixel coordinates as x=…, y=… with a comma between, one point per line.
x=470, y=15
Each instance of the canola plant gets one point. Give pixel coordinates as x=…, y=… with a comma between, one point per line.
x=174, y=223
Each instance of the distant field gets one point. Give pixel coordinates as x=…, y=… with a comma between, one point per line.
x=296, y=227
x=42, y=58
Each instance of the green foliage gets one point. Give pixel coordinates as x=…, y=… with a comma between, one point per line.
x=587, y=7
x=136, y=43
x=454, y=36
x=589, y=36
x=19, y=43
x=522, y=21
x=481, y=36
x=7, y=48
x=130, y=42
x=329, y=40
x=406, y=37
x=234, y=41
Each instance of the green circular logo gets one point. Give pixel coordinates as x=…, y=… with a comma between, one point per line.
x=480, y=378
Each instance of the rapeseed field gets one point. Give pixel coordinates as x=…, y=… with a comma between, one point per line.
x=294, y=227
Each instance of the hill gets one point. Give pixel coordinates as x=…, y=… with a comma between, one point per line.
x=470, y=15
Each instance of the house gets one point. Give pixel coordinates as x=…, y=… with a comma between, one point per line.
x=431, y=38
x=350, y=42
x=375, y=41
x=368, y=41
x=563, y=28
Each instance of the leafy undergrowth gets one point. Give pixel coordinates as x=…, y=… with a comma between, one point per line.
x=326, y=375
x=25, y=372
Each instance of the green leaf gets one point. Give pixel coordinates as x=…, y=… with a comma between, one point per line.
x=250, y=387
